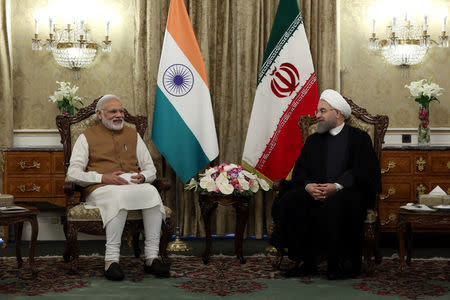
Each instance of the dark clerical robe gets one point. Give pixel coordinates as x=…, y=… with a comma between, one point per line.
x=334, y=227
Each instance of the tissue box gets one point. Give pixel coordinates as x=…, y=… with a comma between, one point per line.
x=433, y=200
x=6, y=199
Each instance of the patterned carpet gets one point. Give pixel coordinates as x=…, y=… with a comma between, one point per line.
x=223, y=276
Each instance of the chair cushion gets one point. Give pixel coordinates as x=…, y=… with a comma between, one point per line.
x=80, y=213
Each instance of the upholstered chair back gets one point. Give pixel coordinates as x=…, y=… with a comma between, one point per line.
x=375, y=126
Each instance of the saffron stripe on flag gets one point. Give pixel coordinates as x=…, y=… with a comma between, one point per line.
x=184, y=36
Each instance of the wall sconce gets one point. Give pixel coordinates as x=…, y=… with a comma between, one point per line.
x=406, y=43
x=71, y=44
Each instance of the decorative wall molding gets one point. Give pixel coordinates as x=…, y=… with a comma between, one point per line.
x=439, y=136
x=36, y=138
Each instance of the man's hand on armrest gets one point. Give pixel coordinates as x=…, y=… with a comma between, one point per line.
x=114, y=178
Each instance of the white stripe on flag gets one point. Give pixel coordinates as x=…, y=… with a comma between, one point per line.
x=195, y=103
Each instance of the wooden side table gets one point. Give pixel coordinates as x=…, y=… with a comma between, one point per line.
x=405, y=218
x=208, y=203
x=17, y=219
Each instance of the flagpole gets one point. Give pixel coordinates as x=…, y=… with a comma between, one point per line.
x=177, y=245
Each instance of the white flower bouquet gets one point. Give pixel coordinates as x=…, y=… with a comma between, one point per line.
x=228, y=179
x=66, y=99
x=424, y=91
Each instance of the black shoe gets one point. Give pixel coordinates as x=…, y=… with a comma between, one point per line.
x=301, y=270
x=157, y=268
x=114, y=272
x=335, y=271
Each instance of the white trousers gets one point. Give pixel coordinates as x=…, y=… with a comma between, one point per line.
x=152, y=218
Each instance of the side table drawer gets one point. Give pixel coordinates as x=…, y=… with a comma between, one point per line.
x=28, y=163
x=29, y=186
x=440, y=164
x=394, y=189
x=396, y=163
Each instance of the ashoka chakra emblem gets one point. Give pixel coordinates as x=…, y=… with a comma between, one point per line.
x=178, y=80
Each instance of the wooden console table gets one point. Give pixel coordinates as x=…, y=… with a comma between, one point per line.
x=17, y=219
x=405, y=218
x=34, y=176
x=407, y=172
x=208, y=203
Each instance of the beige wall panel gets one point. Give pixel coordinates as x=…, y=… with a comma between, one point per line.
x=378, y=86
x=36, y=72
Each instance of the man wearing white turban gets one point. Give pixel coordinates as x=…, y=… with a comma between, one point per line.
x=321, y=211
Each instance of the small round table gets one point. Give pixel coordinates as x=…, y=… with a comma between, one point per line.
x=208, y=203
x=17, y=218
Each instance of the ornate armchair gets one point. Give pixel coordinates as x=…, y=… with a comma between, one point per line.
x=79, y=219
x=376, y=127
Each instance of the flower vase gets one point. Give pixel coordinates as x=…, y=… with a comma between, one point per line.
x=423, y=136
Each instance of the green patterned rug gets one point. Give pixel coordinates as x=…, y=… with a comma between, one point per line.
x=223, y=276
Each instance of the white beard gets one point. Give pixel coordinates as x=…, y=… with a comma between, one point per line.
x=110, y=123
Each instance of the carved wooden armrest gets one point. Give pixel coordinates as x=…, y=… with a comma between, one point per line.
x=162, y=184
x=69, y=191
x=279, y=185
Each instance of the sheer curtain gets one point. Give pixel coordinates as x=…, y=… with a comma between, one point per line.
x=232, y=35
x=6, y=93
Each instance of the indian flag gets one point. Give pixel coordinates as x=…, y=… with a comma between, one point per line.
x=183, y=122
x=286, y=90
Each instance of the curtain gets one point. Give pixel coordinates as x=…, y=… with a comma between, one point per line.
x=232, y=36
x=6, y=95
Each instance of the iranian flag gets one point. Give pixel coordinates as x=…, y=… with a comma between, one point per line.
x=287, y=89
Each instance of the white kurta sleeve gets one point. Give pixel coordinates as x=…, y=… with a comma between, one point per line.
x=145, y=161
x=78, y=162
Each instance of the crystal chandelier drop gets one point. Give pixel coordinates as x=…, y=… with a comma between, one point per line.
x=72, y=46
x=406, y=44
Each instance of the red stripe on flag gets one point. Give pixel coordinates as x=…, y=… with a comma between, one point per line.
x=285, y=145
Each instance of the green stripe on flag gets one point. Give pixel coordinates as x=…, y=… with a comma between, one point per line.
x=175, y=140
x=287, y=20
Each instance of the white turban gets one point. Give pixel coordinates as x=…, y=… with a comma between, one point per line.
x=336, y=101
x=103, y=100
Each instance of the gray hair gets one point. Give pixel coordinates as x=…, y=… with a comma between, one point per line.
x=101, y=102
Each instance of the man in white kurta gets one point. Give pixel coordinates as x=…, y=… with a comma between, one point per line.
x=124, y=184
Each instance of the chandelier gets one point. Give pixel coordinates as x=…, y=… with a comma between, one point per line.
x=71, y=45
x=406, y=43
